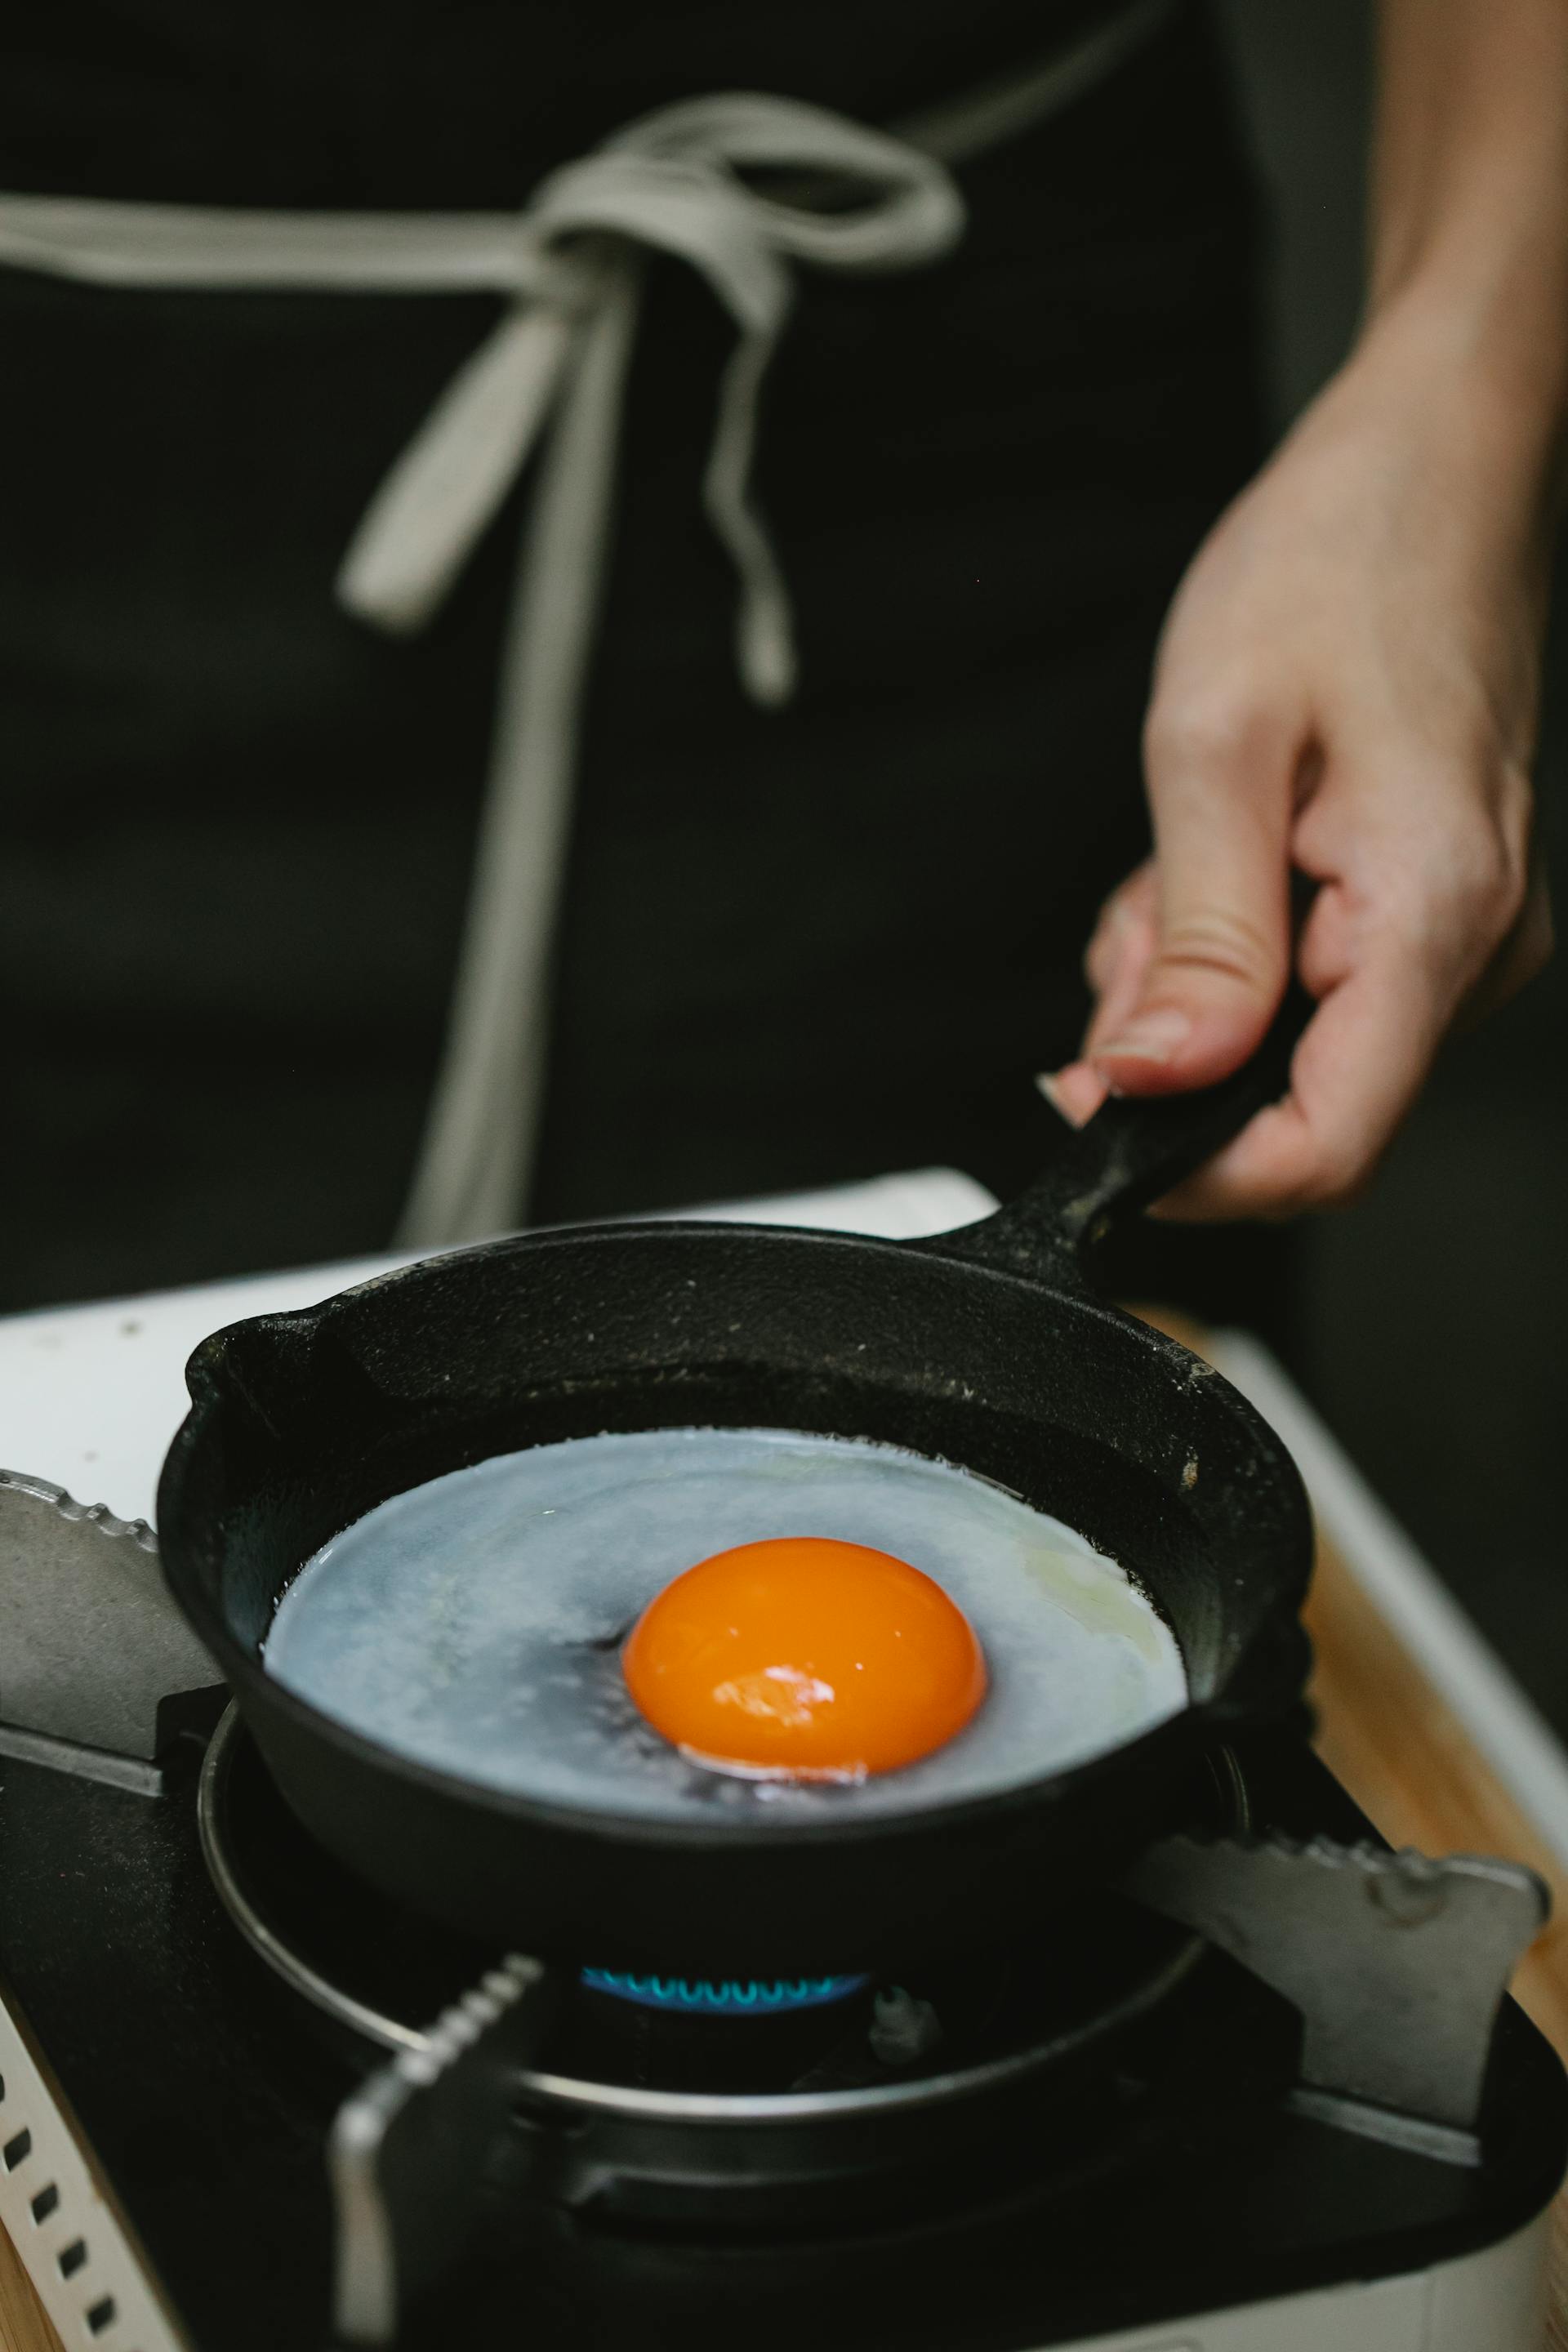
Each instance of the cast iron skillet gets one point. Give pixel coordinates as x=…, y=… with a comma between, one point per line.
x=986, y=1346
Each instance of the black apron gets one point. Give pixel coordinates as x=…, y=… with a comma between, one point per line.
x=795, y=947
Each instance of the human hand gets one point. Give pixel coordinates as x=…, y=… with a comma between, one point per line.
x=1346, y=688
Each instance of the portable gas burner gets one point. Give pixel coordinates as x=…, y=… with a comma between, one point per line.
x=1261, y=2092
x=308, y=2042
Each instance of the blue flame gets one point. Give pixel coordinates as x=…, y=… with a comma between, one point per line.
x=751, y=1998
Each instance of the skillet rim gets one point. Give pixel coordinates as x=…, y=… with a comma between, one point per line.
x=203, y=1374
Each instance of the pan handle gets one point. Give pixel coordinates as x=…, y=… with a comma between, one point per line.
x=1131, y=1152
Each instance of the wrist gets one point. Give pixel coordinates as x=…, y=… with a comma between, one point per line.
x=1480, y=382
x=1483, y=340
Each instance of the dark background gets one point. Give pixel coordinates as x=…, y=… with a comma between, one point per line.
x=1433, y=1312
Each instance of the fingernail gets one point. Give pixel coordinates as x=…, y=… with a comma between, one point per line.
x=1156, y=1036
x=1074, y=1093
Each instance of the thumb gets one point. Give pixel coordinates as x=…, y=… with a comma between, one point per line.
x=1221, y=803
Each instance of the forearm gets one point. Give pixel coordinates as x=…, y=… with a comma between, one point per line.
x=1348, y=679
x=1468, y=260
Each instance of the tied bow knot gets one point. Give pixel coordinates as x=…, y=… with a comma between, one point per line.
x=674, y=184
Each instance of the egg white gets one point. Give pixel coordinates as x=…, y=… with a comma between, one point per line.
x=474, y=1624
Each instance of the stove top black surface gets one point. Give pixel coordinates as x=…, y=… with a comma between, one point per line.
x=1176, y=2176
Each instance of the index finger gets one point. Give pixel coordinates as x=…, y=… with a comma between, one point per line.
x=1355, y=1074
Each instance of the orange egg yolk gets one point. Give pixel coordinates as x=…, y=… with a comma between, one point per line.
x=805, y=1659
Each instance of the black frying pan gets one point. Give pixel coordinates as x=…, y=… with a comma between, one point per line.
x=985, y=1346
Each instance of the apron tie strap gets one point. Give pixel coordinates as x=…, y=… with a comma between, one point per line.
x=550, y=378
x=670, y=183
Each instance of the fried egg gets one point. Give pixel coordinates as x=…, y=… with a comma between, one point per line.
x=527, y=1624
x=804, y=1659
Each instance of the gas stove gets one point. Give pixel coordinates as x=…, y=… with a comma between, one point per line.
x=1262, y=2093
